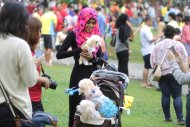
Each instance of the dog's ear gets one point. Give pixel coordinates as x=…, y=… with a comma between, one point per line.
x=79, y=108
x=87, y=114
x=81, y=88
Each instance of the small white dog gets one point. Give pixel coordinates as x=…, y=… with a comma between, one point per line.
x=103, y=104
x=87, y=87
x=91, y=44
x=87, y=111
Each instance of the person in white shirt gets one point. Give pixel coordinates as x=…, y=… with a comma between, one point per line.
x=18, y=71
x=172, y=20
x=147, y=43
x=60, y=37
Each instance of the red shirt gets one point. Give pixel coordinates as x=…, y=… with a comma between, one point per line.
x=30, y=8
x=36, y=91
x=129, y=12
x=59, y=22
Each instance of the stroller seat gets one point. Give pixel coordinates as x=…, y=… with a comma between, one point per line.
x=112, y=84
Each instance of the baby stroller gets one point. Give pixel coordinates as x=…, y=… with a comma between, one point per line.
x=112, y=84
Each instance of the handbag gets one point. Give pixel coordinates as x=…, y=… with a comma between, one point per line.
x=156, y=73
x=113, y=40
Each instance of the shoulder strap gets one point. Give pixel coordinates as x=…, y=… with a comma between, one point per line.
x=42, y=69
x=165, y=53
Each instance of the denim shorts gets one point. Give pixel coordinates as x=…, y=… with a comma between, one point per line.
x=146, y=59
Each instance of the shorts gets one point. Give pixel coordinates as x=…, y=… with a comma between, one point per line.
x=47, y=41
x=146, y=59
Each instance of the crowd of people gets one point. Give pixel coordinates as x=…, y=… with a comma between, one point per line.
x=66, y=28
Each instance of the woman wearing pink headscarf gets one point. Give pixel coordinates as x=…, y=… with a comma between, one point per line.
x=87, y=26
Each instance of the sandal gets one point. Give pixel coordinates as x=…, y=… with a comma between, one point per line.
x=145, y=85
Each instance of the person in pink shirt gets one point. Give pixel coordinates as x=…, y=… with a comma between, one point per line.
x=169, y=86
x=185, y=37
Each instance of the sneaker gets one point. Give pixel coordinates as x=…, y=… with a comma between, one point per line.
x=168, y=119
x=181, y=122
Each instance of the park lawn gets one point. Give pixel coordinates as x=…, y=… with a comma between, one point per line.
x=145, y=112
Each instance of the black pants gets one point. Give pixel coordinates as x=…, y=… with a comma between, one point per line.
x=37, y=106
x=6, y=116
x=73, y=102
x=123, y=59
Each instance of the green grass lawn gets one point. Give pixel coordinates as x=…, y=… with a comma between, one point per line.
x=145, y=112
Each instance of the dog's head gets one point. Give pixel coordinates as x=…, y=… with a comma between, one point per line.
x=84, y=106
x=90, y=90
x=85, y=86
x=87, y=110
x=93, y=42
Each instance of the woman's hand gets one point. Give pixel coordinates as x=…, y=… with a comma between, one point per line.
x=45, y=81
x=86, y=55
x=38, y=61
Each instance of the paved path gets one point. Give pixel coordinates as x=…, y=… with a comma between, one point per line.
x=135, y=70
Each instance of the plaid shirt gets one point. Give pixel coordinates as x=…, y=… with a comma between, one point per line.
x=160, y=50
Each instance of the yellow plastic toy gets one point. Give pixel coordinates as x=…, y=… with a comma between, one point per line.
x=127, y=103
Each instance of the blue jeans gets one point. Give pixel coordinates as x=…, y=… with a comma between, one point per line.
x=170, y=87
x=188, y=111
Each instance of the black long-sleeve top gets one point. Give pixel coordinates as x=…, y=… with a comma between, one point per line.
x=79, y=71
x=124, y=33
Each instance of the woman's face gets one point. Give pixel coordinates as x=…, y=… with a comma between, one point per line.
x=90, y=25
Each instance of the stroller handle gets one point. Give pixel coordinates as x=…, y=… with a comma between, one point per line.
x=107, y=65
x=71, y=91
x=103, y=61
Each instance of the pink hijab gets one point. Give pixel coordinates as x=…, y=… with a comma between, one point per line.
x=85, y=14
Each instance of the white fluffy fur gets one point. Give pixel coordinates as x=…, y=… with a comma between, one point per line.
x=91, y=44
x=90, y=90
x=93, y=93
x=87, y=111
